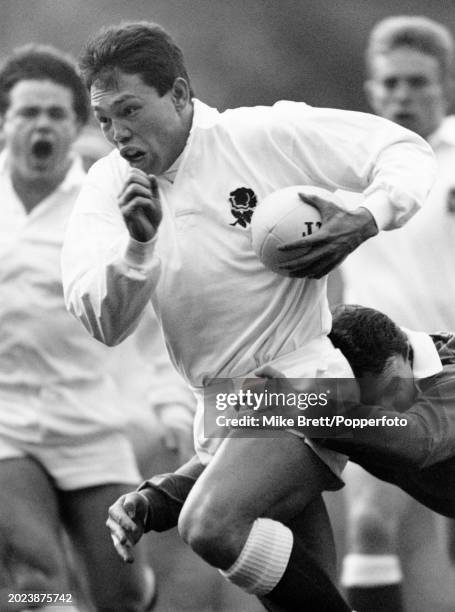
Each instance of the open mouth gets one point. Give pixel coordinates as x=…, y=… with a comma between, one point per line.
x=42, y=149
x=132, y=155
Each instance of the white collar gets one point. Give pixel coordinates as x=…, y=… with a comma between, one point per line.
x=171, y=172
x=426, y=359
x=203, y=117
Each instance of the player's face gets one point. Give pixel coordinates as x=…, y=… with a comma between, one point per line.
x=39, y=128
x=406, y=86
x=394, y=388
x=149, y=130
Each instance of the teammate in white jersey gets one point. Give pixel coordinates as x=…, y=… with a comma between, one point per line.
x=166, y=218
x=409, y=64
x=64, y=454
x=408, y=275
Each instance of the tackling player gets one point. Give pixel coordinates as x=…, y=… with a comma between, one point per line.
x=401, y=374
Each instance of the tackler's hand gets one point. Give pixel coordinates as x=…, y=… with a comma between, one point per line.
x=126, y=522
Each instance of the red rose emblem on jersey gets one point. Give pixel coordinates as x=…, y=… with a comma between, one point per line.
x=243, y=201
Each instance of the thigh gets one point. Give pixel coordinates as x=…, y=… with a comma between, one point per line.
x=85, y=514
x=30, y=526
x=253, y=477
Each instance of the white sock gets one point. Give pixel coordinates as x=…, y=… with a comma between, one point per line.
x=360, y=570
x=263, y=559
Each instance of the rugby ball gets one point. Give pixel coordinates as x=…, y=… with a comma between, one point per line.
x=282, y=217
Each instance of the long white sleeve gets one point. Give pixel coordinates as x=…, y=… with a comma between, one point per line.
x=104, y=267
x=393, y=167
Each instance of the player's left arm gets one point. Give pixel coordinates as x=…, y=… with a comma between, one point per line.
x=392, y=167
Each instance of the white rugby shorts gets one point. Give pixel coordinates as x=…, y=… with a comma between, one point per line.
x=317, y=359
x=105, y=458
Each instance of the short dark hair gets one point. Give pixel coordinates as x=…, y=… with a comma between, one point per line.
x=419, y=33
x=141, y=48
x=43, y=62
x=367, y=338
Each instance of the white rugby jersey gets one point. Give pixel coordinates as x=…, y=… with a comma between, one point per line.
x=55, y=380
x=409, y=274
x=223, y=313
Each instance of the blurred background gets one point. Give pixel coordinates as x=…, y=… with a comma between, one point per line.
x=239, y=52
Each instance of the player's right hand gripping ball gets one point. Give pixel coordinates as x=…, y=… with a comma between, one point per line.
x=282, y=217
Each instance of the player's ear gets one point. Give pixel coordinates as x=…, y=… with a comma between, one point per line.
x=180, y=93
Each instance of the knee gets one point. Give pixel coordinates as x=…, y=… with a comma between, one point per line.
x=211, y=532
x=371, y=530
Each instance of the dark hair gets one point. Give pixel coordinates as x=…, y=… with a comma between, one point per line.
x=134, y=48
x=420, y=33
x=367, y=338
x=43, y=62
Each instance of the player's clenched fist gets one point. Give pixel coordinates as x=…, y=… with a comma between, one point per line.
x=126, y=522
x=140, y=204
